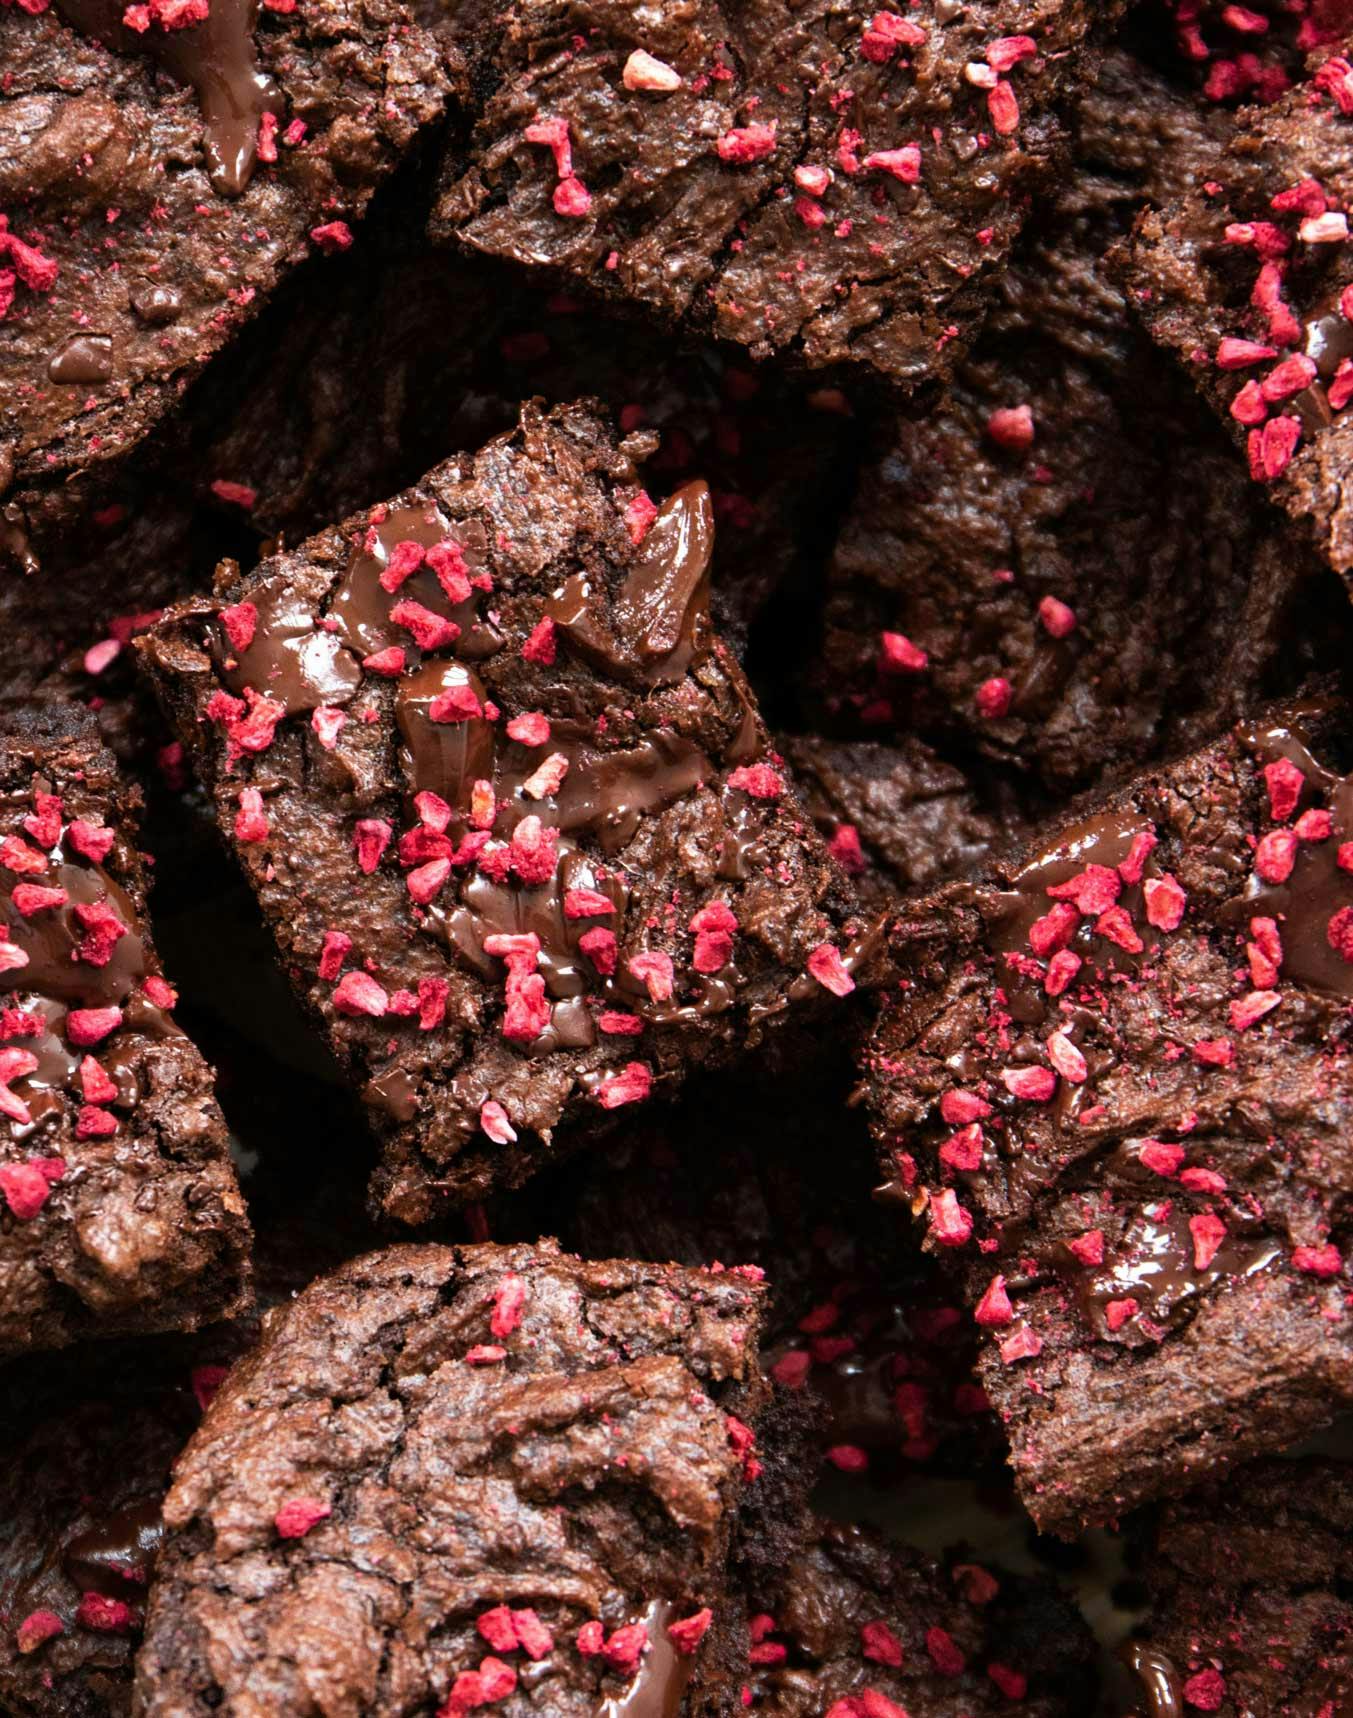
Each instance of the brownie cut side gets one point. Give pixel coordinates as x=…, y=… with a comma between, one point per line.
x=507, y=804
x=162, y=167
x=858, y=1627
x=1250, y=1588
x=121, y=1211
x=836, y=183
x=1246, y=278
x=1115, y=1085
x=456, y=1476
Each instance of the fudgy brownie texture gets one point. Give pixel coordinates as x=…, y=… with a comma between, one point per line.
x=863, y=1628
x=464, y=1477
x=1247, y=278
x=1115, y=1084
x=899, y=818
x=1250, y=1585
x=833, y=182
x=161, y=167
x=1061, y=566
x=121, y=1210
x=507, y=804
x=865, y=1329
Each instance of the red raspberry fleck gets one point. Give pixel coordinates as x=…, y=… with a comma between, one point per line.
x=1235, y=354
x=508, y=1300
x=1003, y=106
x=533, y=1637
x=687, y=1633
x=626, y=1646
x=1165, y=902
x=1054, y=930
x=455, y=704
x=333, y=954
x=1012, y=1683
x=1067, y=1059
x=1245, y=1011
x=36, y=1628
x=903, y=163
x=571, y=199
x=827, y=967
x=328, y=724
x=251, y=821
x=898, y=655
x=1089, y=1247
x=430, y=631
x=1144, y=843
x=639, y=515
x=1012, y=427
x=1208, y=1233
x=25, y=1188
x=879, y=1643
x=95, y=1123
x=1271, y=448
x=1318, y=1261
x=485, y=1354
x=358, y=993
x=30, y=898
x=1314, y=825
x=104, y=1616
x=498, y=1628
x=531, y=728
x=1215, y=1052
x=599, y=945
x=88, y=1026
x=1094, y=890
x=963, y=1150
x=950, y=1224
x=1116, y=926
x=1265, y=953
x=654, y=970
x=432, y=995
x=631, y=1085
x=1034, y=1084
x=944, y=1653
x=1202, y=1180
x=759, y=780
x=425, y=882
x=993, y=698
x=1118, y=1312
x=1339, y=933
x=590, y=1639
x=885, y=33
x=493, y=1120
x=994, y=1308
x=586, y=904
x=1058, y=620
x=1206, y=1690
x=792, y=1369
x=370, y=839
x=1161, y=1156
x=533, y=851
x=960, y=1107
x=95, y=1084
x=744, y=144
x=240, y=621
x=298, y=1515
x=540, y=647
x=1062, y=968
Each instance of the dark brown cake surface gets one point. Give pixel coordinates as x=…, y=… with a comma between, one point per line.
x=863, y=1628
x=1245, y=278
x=161, y=168
x=507, y=804
x=1115, y=1083
x=456, y=1475
x=121, y=1211
x=1062, y=565
x=1249, y=1588
x=831, y=182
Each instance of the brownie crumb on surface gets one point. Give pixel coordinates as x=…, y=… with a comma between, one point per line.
x=451, y=1477
x=120, y=1210
x=507, y=804
x=1115, y=1087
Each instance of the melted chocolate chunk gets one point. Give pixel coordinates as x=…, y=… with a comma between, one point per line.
x=117, y=1556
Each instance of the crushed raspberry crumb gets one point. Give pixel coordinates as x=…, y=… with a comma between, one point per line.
x=950, y=1223
x=944, y=1653
x=994, y=1308
x=1058, y=620
x=298, y=1515
x=1323, y=1261
x=744, y=144
x=358, y=993
x=1037, y=1085
x=993, y=698
x=898, y=655
x=104, y=1616
x=37, y=1628
x=687, y=1633
x=631, y=1085
x=639, y=516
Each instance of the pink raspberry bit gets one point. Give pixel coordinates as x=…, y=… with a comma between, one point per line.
x=994, y=1309
x=993, y=698
x=1208, y=1232
x=1165, y=902
x=1012, y=427
x=1206, y=1690
x=687, y=1633
x=1161, y=1157
x=1067, y=1059
x=1058, y=620
x=494, y=1122
x=644, y=72
x=37, y=1628
x=1246, y=1011
x=298, y=1515
x=509, y=1298
x=1035, y=1085
x=903, y=163
x=950, y=1223
x=1322, y=1261
x=898, y=655
x=571, y=199
x=332, y=236
x=1339, y=933
x=1088, y=1248
x=745, y=144
x=358, y=993
x=827, y=967
x=639, y=516
x=631, y=1085
x=758, y=780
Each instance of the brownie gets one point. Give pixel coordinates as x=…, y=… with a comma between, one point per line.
x=1241, y=54
x=1250, y=1586
x=162, y=167
x=860, y=1627
x=1060, y=566
x=833, y=183
x=899, y=817
x=1246, y=279
x=508, y=939
x=121, y=1210
x=866, y=1331
x=451, y=1475
x=1115, y=1086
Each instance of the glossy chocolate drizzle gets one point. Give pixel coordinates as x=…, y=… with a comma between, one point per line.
x=1160, y=1681
x=217, y=58
x=1317, y=888
x=119, y=1552
x=659, y=1684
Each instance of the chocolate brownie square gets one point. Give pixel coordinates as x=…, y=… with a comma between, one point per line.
x=866, y=1332
x=447, y=1476
x=162, y=167
x=1246, y=279
x=1061, y=566
x=836, y=183
x=899, y=818
x=859, y=1627
x=121, y=1211
x=507, y=804
x=1115, y=1086
x=1249, y=1584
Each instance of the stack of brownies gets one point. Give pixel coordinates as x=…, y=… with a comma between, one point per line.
x=728, y=623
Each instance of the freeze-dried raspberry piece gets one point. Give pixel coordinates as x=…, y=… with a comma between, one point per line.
x=298, y=1515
